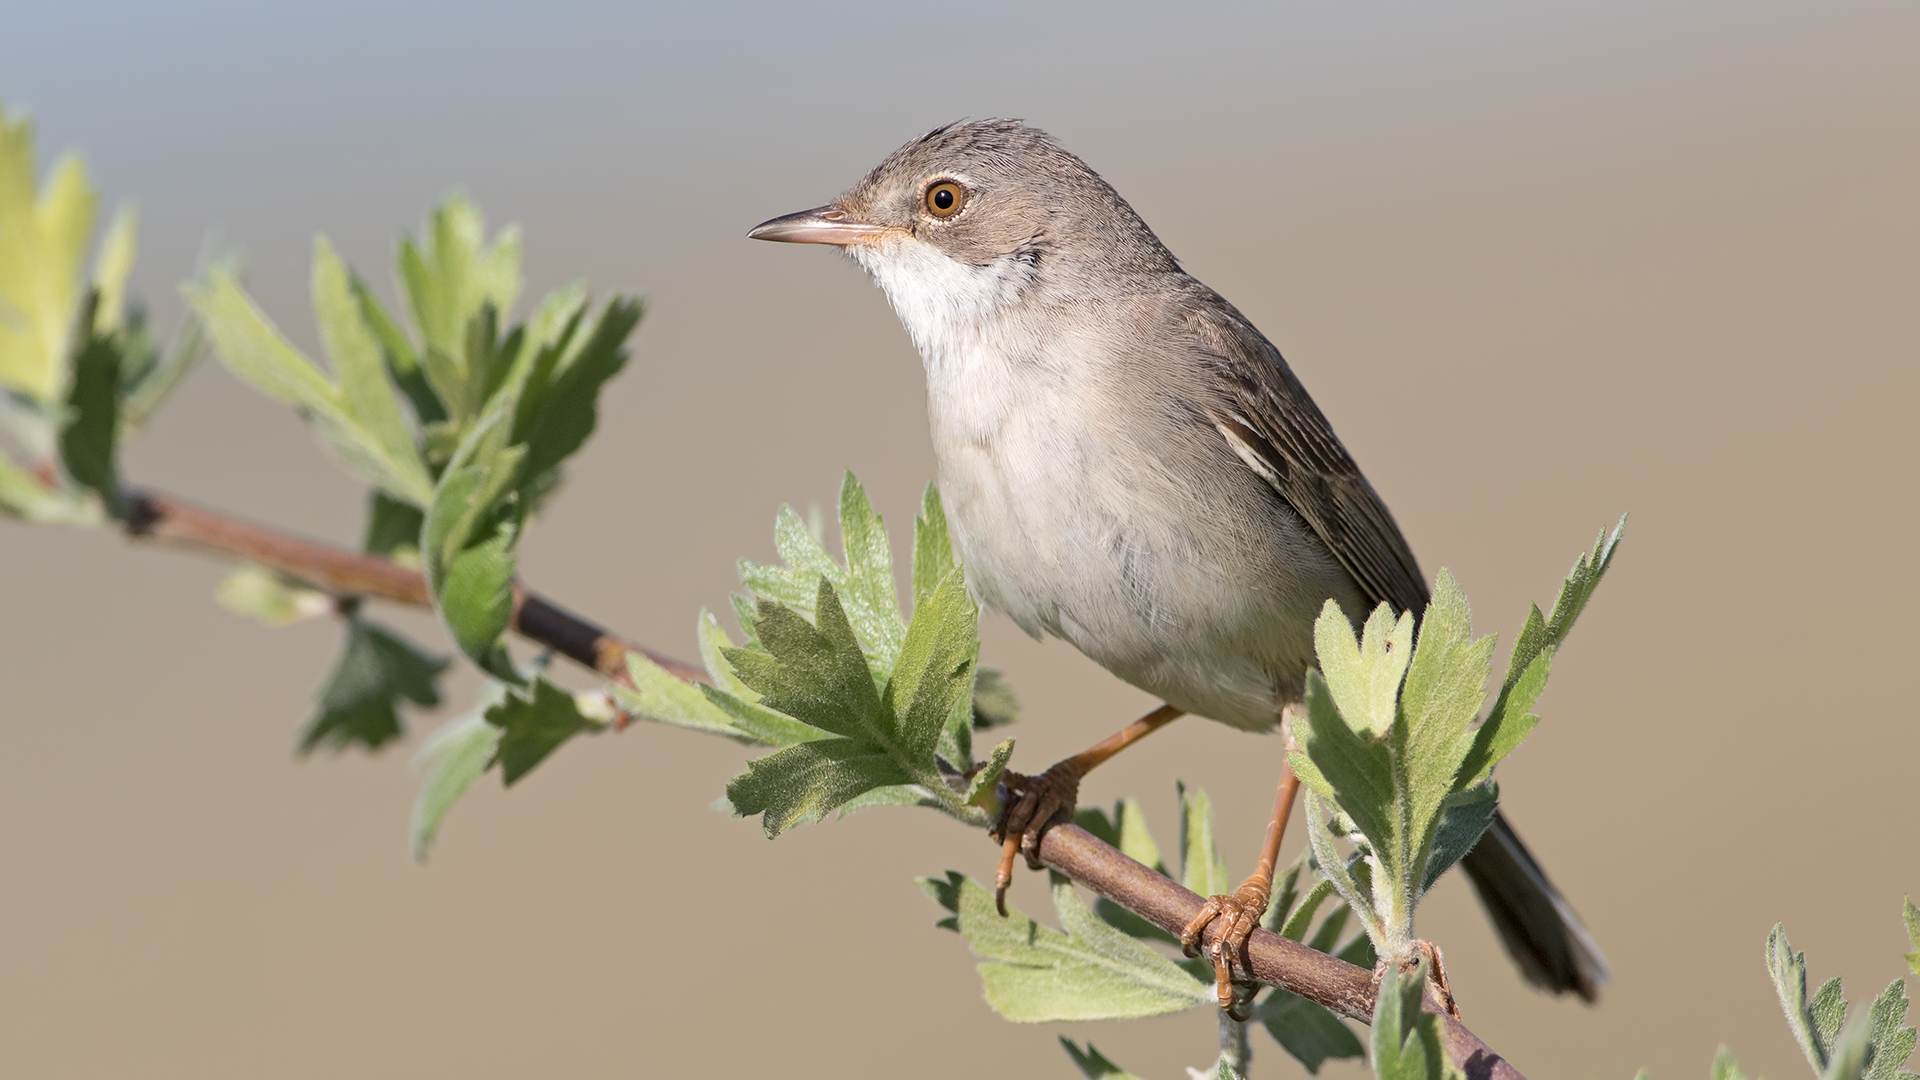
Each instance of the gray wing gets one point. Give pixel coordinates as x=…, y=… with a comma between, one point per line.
x=1266, y=415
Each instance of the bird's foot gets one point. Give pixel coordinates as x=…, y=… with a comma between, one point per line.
x=1028, y=805
x=1238, y=915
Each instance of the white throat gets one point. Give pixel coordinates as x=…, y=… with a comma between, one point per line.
x=950, y=309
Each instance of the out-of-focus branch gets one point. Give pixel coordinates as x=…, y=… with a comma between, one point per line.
x=344, y=573
x=1277, y=961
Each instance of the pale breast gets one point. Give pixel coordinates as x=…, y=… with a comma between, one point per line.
x=1091, y=505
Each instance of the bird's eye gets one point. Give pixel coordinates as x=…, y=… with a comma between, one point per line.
x=945, y=199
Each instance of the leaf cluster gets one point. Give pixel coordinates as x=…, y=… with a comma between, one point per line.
x=1393, y=749
x=79, y=367
x=865, y=706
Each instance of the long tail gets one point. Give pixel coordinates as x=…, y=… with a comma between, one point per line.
x=1539, y=929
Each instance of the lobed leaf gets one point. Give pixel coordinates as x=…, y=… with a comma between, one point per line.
x=358, y=703
x=1085, y=971
x=806, y=782
x=533, y=723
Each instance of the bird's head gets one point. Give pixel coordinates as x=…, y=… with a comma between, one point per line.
x=968, y=219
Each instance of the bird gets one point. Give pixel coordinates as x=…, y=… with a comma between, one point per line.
x=1129, y=465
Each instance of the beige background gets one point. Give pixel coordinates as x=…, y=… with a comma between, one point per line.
x=1539, y=263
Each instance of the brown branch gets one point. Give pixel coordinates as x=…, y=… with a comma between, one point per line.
x=1277, y=961
x=1347, y=990
x=344, y=573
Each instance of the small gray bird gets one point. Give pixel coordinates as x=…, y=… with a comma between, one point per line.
x=1128, y=464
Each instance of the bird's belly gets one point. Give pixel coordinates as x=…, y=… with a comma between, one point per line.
x=1200, y=592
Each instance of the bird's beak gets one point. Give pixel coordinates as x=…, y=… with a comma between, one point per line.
x=828, y=224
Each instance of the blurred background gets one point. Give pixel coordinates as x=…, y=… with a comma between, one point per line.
x=1540, y=264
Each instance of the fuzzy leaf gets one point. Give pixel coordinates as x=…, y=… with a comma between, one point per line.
x=393, y=528
x=932, y=548
x=454, y=756
x=806, y=782
x=359, y=701
x=980, y=788
x=533, y=723
x=657, y=695
x=476, y=599
x=1306, y=1029
x=1201, y=867
x=1911, y=914
x=1464, y=819
x=1439, y=703
x=1724, y=1067
x=1406, y=1040
x=1815, y=1021
x=1091, y=971
x=1891, y=1045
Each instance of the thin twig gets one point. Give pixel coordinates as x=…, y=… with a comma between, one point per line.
x=344, y=573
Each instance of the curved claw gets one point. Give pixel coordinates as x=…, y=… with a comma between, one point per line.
x=1024, y=818
x=1241, y=913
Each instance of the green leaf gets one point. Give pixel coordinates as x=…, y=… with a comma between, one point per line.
x=1406, y=1040
x=258, y=593
x=1090, y=971
x=1445, y=685
x=1852, y=1049
x=980, y=788
x=359, y=701
x=657, y=695
x=393, y=528
x=456, y=274
x=1364, y=677
x=403, y=362
x=1911, y=914
x=366, y=395
x=533, y=722
x=806, y=782
x=93, y=421
x=1201, y=867
x=1093, y=1064
x=817, y=676
x=1340, y=764
x=253, y=349
x=993, y=702
x=40, y=264
x=558, y=409
x=1306, y=1029
x=143, y=395
x=454, y=756
x=476, y=599
x=111, y=267
x=1724, y=1067
x=932, y=548
x=1815, y=1022
x=1464, y=819
x=1890, y=1044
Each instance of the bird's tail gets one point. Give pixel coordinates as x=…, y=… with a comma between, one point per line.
x=1539, y=929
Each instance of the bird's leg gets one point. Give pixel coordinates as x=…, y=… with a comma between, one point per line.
x=1240, y=912
x=1032, y=802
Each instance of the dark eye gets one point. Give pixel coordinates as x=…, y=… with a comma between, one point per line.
x=945, y=199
